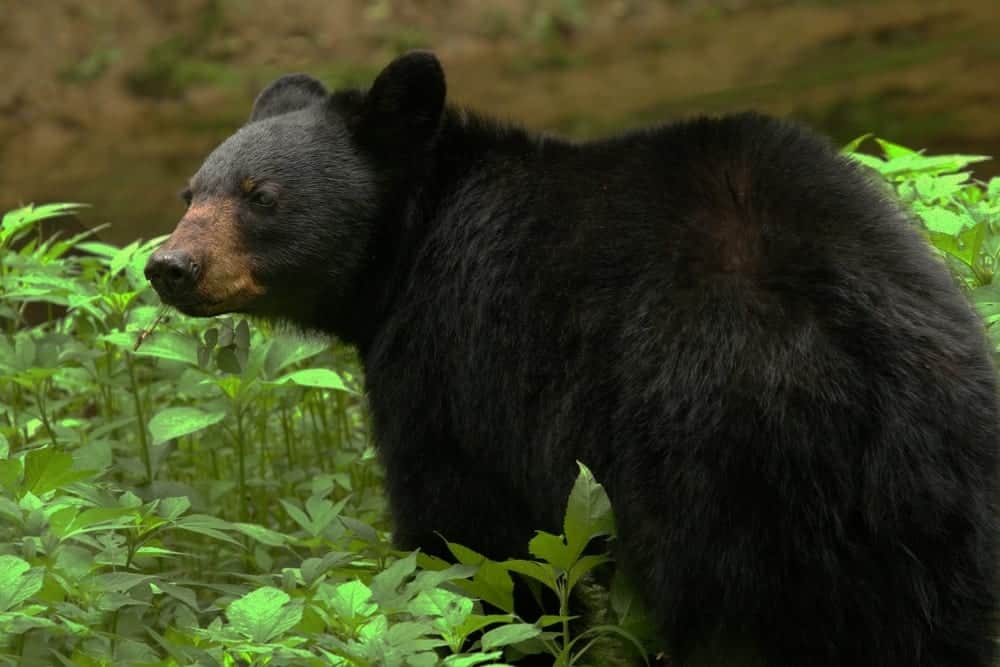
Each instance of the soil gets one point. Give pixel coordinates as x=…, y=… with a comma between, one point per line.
x=116, y=103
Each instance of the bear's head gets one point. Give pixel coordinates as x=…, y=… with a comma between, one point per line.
x=283, y=216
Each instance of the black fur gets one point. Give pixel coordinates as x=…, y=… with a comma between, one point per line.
x=792, y=407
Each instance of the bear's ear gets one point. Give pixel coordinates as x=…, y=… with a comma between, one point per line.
x=289, y=93
x=406, y=101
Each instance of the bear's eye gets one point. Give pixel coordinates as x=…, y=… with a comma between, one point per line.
x=186, y=196
x=263, y=198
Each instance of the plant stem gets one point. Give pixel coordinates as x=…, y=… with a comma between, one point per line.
x=14, y=419
x=564, y=612
x=342, y=426
x=317, y=435
x=321, y=408
x=140, y=414
x=109, y=406
x=286, y=431
x=242, y=464
x=40, y=402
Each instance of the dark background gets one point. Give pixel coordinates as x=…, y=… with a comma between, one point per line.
x=115, y=103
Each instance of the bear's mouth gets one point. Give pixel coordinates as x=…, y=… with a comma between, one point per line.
x=199, y=306
x=223, y=294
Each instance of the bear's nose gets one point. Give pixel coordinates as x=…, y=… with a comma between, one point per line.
x=172, y=273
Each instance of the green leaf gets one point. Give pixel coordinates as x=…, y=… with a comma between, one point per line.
x=22, y=218
x=472, y=659
x=350, y=600
x=853, y=144
x=323, y=378
x=25, y=352
x=47, y=469
x=10, y=473
x=98, y=248
x=121, y=258
x=545, y=620
x=965, y=247
x=541, y=572
x=18, y=581
x=160, y=344
x=941, y=220
x=407, y=635
x=299, y=517
x=314, y=568
x=59, y=248
x=893, y=151
x=631, y=637
x=361, y=530
x=226, y=334
x=286, y=351
x=552, y=549
x=491, y=582
x=228, y=360
x=373, y=630
x=207, y=525
x=509, y=634
x=323, y=512
x=264, y=614
x=451, y=608
x=941, y=187
x=176, y=422
x=427, y=659
x=241, y=335
x=386, y=583
x=211, y=337
x=263, y=535
x=474, y=623
x=993, y=188
x=66, y=522
x=588, y=512
x=933, y=164
x=987, y=300
x=173, y=507
x=185, y=595
x=429, y=578
x=584, y=565
x=876, y=163
x=120, y=582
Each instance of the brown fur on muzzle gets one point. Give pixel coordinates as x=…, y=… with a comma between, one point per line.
x=208, y=232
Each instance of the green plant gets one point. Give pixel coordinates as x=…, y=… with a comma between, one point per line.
x=176, y=492
x=959, y=214
x=180, y=492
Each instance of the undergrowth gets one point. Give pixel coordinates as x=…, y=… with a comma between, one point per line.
x=176, y=492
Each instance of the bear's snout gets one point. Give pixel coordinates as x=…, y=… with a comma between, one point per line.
x=204, y=269
x=173, y=274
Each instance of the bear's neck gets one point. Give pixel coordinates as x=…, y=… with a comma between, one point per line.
x=474, y=158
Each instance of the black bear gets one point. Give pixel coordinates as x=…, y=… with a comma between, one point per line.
x=792, y=407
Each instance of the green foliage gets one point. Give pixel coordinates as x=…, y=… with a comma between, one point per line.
x=959, y=215
x=181, y=492
x=178, y=491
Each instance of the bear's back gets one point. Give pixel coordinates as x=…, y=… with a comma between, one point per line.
x=707, y=284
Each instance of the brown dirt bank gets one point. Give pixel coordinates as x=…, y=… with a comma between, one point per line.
x=116, y=103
